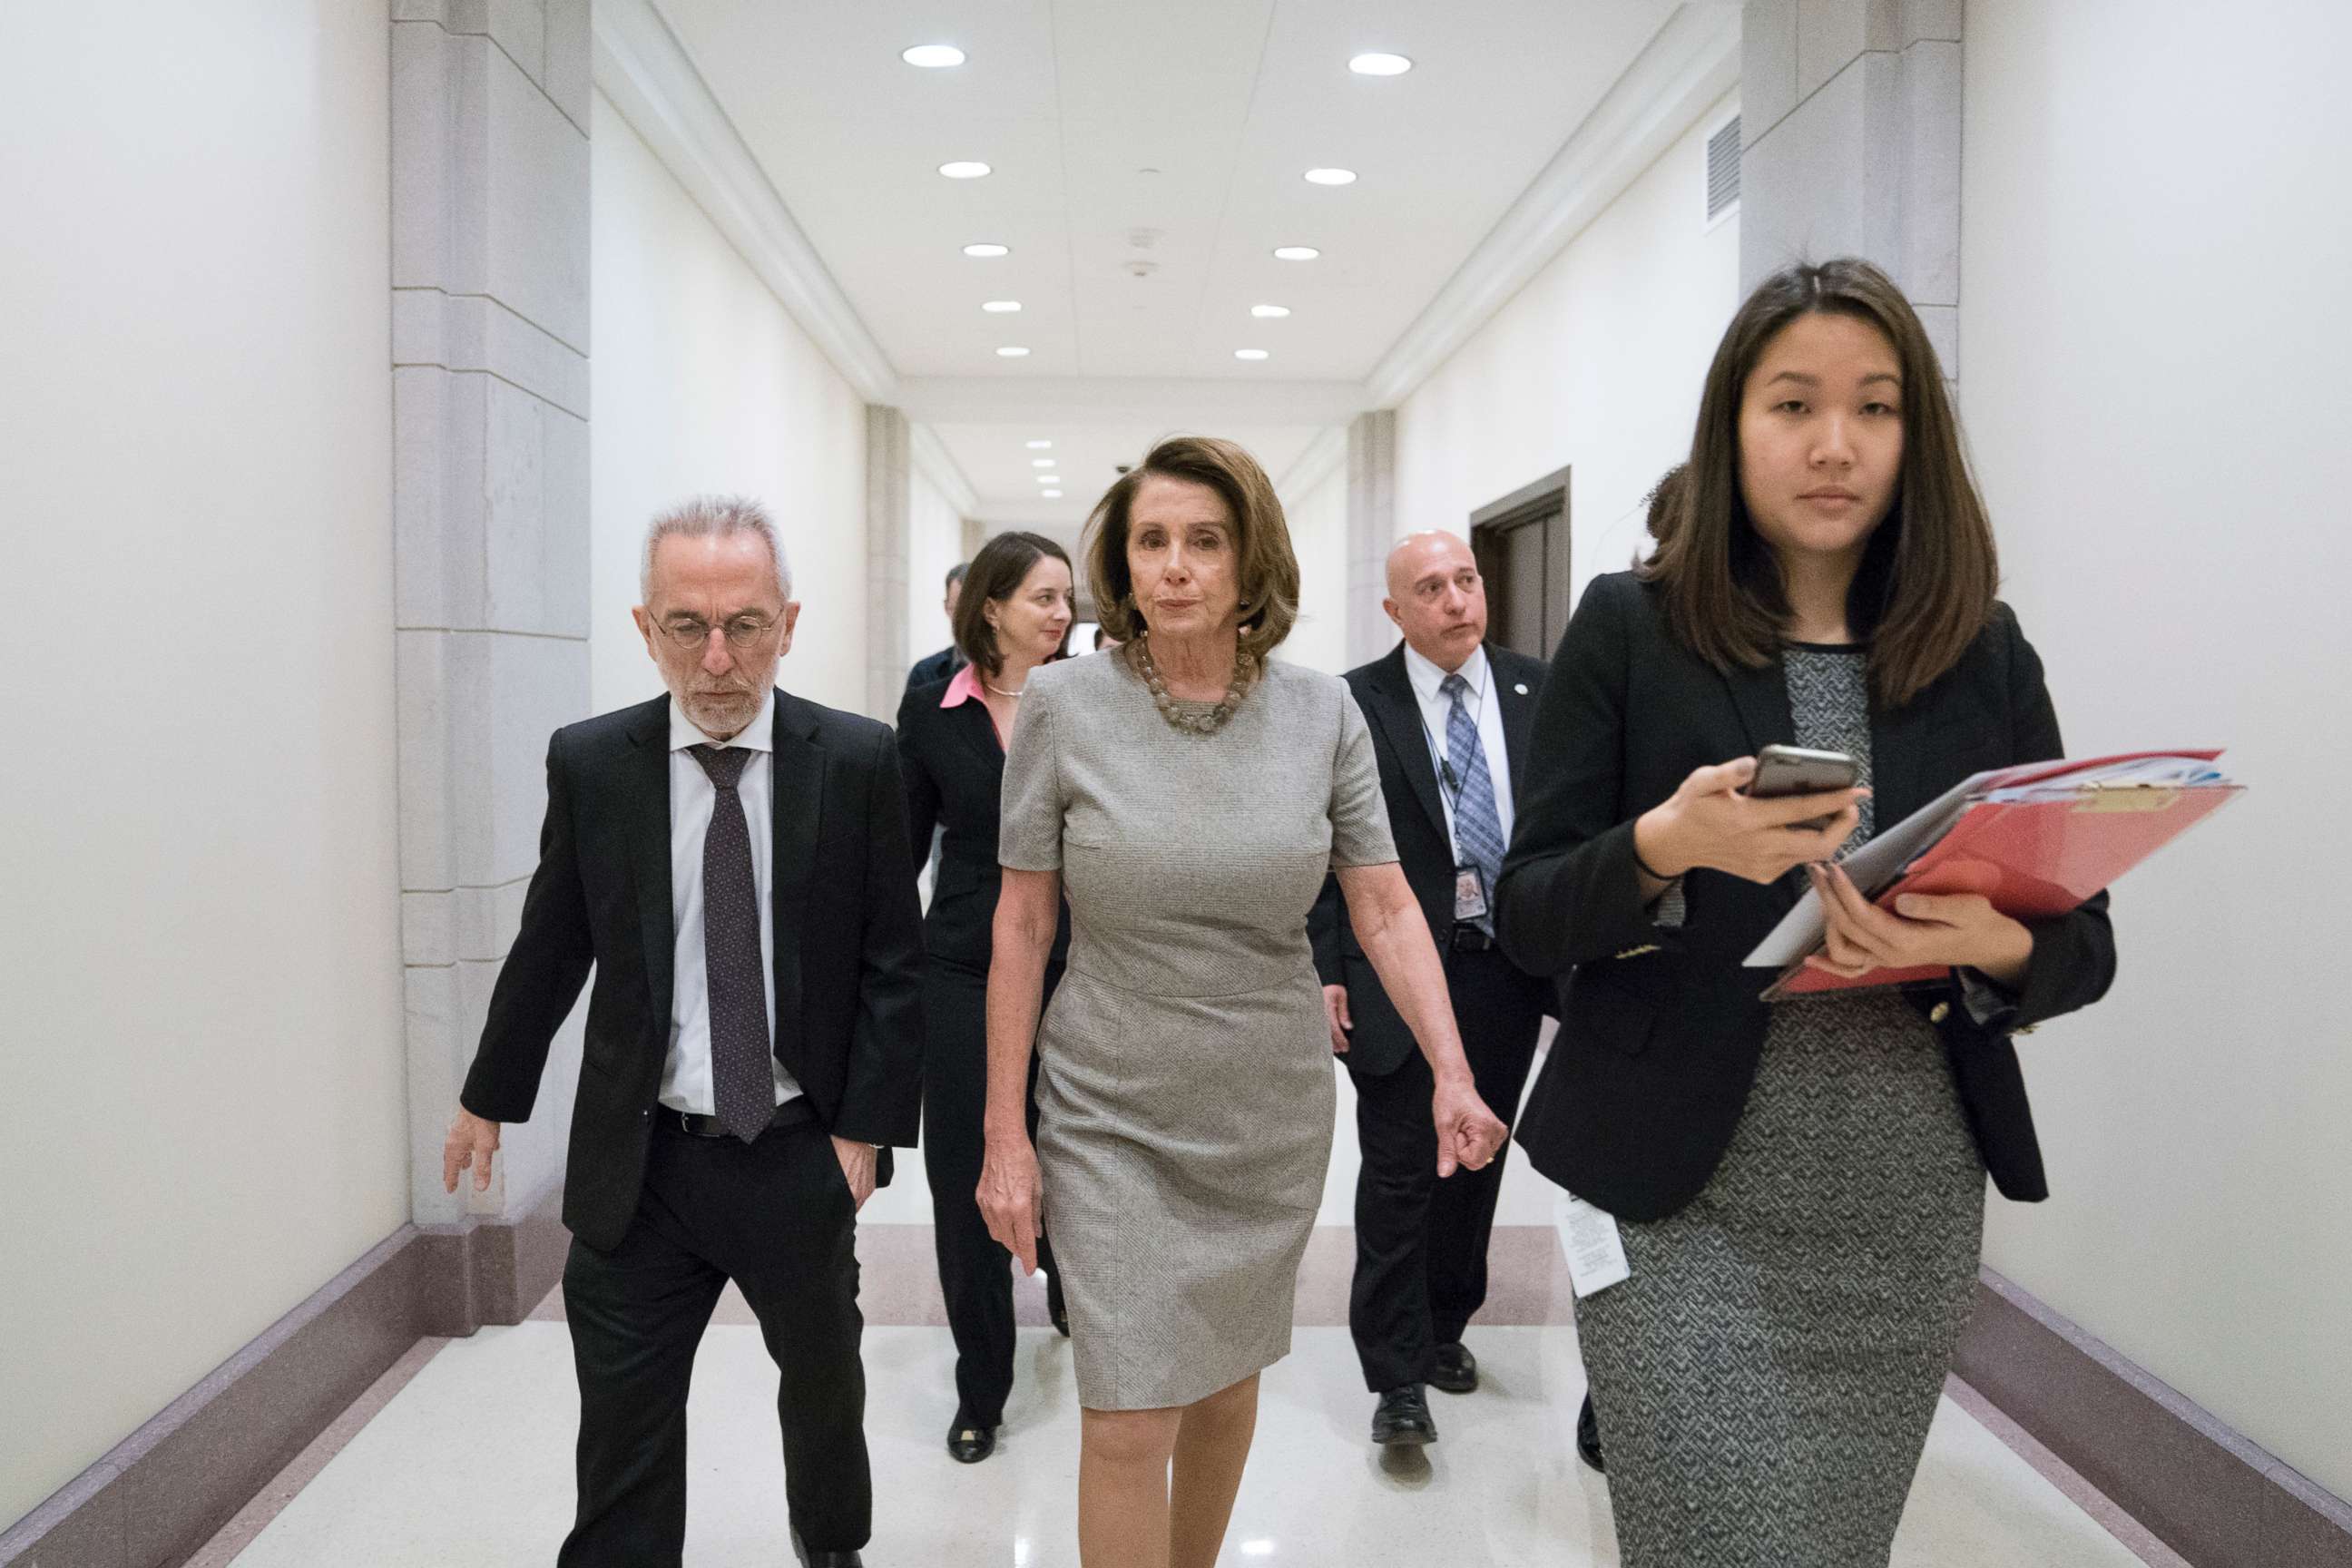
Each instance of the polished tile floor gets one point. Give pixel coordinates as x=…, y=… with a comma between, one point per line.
x=461, y=1455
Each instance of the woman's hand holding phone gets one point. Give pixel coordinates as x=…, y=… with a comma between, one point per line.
x=1710, y=823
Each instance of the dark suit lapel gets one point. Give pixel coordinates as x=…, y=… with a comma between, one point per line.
x=1519, y=711
x=648, y=794
x=1761, y=696
x=796, y=800
x=1396, y=712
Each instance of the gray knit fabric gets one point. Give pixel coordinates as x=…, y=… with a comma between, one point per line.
x=1765, y=1379
x=1184, y=1089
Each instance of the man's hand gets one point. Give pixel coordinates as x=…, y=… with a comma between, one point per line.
x=472, y=1144
x=856, y=1167
x=1335, y=1013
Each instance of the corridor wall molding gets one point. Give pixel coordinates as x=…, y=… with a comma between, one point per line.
x=490, y=311
x=646, y=72
x=1693, y=61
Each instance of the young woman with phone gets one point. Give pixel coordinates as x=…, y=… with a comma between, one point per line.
x=1800, y=1187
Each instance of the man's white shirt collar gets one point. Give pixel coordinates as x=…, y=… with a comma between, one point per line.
x=1427, y=678
x=759, y=735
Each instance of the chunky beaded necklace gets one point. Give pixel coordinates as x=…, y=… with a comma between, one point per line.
x=1198, y=722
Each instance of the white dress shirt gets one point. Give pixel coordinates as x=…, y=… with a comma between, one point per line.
x=686, y=1072
x=1436, y=708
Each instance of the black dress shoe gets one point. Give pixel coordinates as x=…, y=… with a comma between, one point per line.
x=825, y=1558
x=1457, y=1369
x=970, y=1445
x=1402, y=1419
x=1055, y=1308
x=1588, y=1438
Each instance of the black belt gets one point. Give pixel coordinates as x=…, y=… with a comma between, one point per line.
x=1468, y=937
x=791, y=1113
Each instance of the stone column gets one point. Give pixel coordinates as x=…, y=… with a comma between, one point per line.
x=890, y=536
x=1371, y=532
x=1850, y=120
x=490, y=227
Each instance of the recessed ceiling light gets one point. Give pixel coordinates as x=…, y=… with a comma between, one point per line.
x=1041, y=462
x=1295, y=253
x=973, y=171
x=1269, y=312
x=1040, y=446
x=1362, y=65
x=1002, y=306
x=1051, y=495
x=1314, y=176
x=933, y=57
x=987, y=250
x=1249, y=353
x=1008, y=352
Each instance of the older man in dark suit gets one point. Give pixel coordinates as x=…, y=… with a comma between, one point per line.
x=734, y=862
x=937, y=666
x=1449, y=717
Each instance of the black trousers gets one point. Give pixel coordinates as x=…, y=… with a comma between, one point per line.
x=1421, y=1243
x=775, y=1217
x=975, y=1271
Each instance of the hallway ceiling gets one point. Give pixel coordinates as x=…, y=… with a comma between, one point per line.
x=1230, y=100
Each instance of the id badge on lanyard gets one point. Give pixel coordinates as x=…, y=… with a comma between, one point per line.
x=1469, y=893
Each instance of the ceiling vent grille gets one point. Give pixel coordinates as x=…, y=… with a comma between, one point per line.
x=1722, y=169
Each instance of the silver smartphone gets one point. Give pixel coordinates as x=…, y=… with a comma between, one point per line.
x=1795, y=769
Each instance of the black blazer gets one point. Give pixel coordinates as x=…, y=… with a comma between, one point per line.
x=849, y=944
x=954, y=771
x=932, y=668
x=1409, y=784
x=1661, y=1027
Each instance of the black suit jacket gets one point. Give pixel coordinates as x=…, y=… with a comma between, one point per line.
x=930, y=669
x=954, y=771
x=1409, y=784
x=847, y=940
x=1661, y=1027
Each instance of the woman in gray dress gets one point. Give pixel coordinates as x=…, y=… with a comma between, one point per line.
x=1800, y=1185
x=1189, y=796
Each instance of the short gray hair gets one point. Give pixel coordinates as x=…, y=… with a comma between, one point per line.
x=715, y=517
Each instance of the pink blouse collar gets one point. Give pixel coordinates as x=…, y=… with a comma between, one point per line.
x=963, y=689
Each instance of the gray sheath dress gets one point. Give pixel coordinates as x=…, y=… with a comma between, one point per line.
x=1765, y=1379
x=1184, y=1089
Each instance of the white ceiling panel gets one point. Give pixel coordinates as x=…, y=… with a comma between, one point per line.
x=1000, y=464
x=1132, y=136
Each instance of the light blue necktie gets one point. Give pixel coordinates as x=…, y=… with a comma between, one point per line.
x=1477, y=826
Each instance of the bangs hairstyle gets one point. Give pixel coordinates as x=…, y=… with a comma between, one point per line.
x=1268, y=569
x=1929, y=574
x=992, y=576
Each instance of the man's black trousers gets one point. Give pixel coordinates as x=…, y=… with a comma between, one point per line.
x=1421, y=1243
x=774, y=1216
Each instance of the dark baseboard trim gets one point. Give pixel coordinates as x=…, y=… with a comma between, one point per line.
x=2198, y=1487
x=169, y=1487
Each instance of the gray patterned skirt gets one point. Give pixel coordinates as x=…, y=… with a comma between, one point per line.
x=1765, y=1379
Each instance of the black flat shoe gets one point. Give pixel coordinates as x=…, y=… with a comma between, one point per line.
x=1457, y=1369
x=1588, y=1438
x=970, y=1445
x=1402, y=1419
x=1055, y=1308
x=825, y=1558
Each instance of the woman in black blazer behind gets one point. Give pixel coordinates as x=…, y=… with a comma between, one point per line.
x=1801, y=1187
x=1013, y=616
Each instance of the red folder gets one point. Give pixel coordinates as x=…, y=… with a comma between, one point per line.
x=2033, y=858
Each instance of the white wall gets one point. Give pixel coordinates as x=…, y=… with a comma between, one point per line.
x=200, y=951
x=2152, y=342
x=700, y=381
x=934, y=544
x=1318, y=535
x=1595, y=366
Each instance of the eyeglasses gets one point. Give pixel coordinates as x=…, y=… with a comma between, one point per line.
x=692, y=632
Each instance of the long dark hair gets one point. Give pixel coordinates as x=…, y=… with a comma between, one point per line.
x=1925, y=589
x=996, y=575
